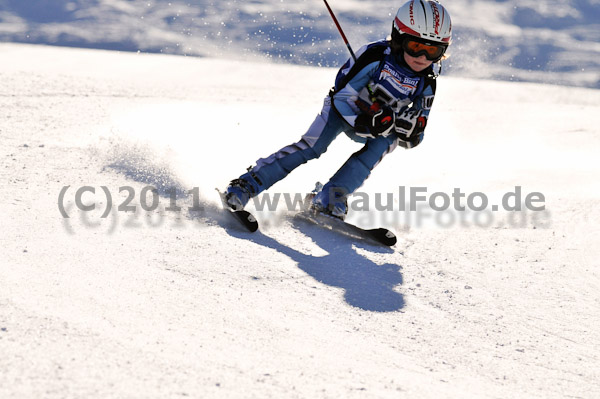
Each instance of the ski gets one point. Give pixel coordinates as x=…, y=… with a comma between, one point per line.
x=380, y=235
x=244, y=217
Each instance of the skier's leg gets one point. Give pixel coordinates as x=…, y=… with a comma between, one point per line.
x=326, y=127
x=352, y=175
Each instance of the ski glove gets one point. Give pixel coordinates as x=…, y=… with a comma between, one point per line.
x=378, y=122
x=410, y=127
x=410, y=122
x=412, y=141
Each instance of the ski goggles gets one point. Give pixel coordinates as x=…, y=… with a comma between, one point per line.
x=416, y=48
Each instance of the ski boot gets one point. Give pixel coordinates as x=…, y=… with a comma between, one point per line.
x=331, y=201
x=239, y=191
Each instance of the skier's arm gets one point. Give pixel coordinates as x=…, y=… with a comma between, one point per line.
x=345, y=99
x=411, y=122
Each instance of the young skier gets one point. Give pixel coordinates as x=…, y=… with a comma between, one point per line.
x=382, y=100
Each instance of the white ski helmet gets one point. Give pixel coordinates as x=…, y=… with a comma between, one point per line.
x=425, y=19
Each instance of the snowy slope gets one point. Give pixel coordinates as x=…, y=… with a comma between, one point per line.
x=158, y=304
x=548, y=41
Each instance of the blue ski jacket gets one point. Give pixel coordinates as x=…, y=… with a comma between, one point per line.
x=390, y=79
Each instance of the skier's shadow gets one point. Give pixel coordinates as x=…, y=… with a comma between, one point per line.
x=367, y=285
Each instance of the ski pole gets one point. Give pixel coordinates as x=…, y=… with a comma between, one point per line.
x=340, y=30
x=337, y=24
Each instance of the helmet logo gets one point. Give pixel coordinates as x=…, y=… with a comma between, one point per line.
x=411, y=15
x=436, y=18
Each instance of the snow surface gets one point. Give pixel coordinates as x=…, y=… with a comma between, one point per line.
x=548, y=41
x=167, y=304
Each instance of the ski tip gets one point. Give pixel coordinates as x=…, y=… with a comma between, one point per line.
x=247, y=219
x=253, y=228
x=386, y=237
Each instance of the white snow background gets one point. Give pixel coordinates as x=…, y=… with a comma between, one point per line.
x=547, y=41
x=187, y=304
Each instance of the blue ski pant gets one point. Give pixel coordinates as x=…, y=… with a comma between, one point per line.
x=326, y=127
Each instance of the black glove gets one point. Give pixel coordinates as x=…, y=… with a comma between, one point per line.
x=378, y=121
x=410, y=123
x=412, y=141
x=410, y=127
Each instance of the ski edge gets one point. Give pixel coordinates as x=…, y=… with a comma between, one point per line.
x=378, y=235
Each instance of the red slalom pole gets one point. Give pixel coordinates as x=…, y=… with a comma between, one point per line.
x=340, y=30
x=373, y=98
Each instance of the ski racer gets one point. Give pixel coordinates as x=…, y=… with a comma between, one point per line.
x=381, y=100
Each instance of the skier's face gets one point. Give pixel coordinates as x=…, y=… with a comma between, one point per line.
x=417, y=64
